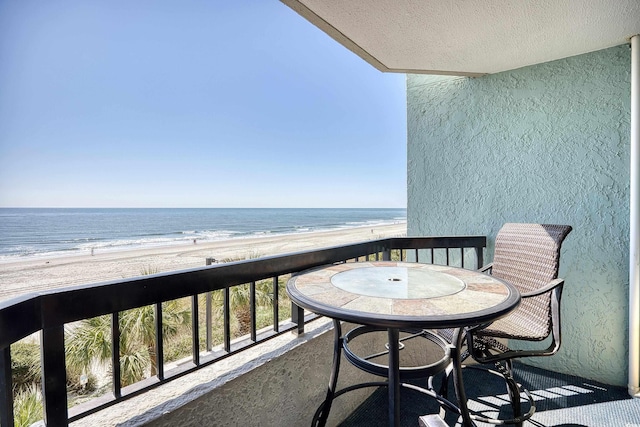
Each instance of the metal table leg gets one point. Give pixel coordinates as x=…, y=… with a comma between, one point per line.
x=458, y=384
x=394, y=377
x=392, y=371
x=333, y=380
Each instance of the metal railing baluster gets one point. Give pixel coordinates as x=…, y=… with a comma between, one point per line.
x=116, y=378
x=276, y=314
x=297, y=317
x=208, y=314
x=159, y=342
x=479, y=257
x=227, y=320
x=252, y=305
x=208, y=322
x=195, y=330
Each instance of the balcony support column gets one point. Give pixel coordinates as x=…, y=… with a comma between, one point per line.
x=54, y=376
x=6, y=398
x=634, y=224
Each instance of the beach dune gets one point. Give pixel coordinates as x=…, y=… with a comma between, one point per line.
x=43, y=274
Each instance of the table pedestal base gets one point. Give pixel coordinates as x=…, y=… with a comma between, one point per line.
x=393, y=371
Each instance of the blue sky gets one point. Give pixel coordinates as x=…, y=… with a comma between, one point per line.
x=191, y=104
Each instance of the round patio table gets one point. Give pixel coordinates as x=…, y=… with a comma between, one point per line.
x=398, y=296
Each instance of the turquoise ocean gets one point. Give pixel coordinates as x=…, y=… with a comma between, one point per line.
x=27, y=232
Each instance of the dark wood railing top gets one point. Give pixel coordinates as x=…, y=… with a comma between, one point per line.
x=22, y=316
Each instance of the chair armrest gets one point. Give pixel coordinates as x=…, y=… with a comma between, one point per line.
x=546, y=288
x=485, y=268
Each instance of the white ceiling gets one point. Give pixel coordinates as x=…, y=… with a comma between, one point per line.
x=471, y=37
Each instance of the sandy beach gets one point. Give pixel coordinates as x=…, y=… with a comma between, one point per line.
x=41, y=274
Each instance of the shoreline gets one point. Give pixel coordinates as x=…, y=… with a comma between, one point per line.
x=38, y=274
x=179, y=244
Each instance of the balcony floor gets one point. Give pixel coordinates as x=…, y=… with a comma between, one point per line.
x=561, y=400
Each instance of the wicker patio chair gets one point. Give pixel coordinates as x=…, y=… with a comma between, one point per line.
x=527, y=256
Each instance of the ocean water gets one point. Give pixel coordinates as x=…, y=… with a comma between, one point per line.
x=26, y=232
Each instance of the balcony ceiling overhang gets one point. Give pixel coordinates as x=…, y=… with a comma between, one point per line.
x=471, y=37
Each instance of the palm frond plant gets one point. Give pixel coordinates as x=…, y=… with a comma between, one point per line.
x=240, y=298
x=240, y=302
x=90, y=339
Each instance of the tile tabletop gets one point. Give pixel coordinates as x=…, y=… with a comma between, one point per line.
x=401, y=291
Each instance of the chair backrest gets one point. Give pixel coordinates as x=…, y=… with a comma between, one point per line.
x=528, y=256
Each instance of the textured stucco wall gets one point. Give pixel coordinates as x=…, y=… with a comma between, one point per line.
x=547, y=143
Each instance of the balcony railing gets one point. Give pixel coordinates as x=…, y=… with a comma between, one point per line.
x=48, y=313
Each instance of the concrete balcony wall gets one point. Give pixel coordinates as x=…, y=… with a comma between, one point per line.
x=547, y=143
x=278, y=383
x=280, y=391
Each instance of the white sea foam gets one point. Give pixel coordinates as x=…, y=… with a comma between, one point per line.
x=28, y=233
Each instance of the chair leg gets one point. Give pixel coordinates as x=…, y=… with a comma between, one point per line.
x=512, y=389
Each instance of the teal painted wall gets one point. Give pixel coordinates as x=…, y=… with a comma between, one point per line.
x=547, y=143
